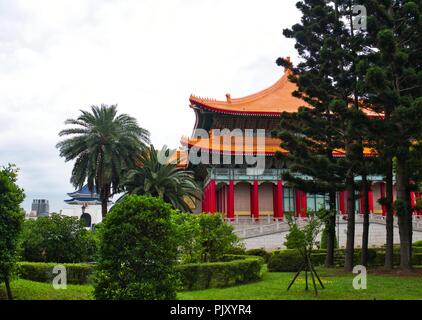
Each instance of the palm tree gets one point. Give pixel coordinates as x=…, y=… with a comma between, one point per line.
x=103, y=146
x=154, y=177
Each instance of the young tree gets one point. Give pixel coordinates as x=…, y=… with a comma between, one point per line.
x=11, y=219
x=103, y=145
x=303, y=240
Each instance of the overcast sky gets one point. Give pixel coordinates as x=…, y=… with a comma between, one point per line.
x=60, y=56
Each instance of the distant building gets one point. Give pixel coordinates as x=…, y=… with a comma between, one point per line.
x=40, y=207
x=84, y=204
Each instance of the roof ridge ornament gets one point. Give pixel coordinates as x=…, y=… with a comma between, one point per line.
x=286, y=69
x=228, y=98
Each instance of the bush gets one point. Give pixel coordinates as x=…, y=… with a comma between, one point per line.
x=417, y=243
x=58, y=239
x=372, y=256
x=216, y=236
x=198, y=276
x=260, y=253
x=204, y=237
x=43, y=272
x=290, y=260
x=137, y=253
x=417, y=259
x=324, y=240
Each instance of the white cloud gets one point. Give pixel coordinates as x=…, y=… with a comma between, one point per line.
x=59, y=56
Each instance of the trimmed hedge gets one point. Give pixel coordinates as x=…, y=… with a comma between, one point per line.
x=260, y=253
x=289, y=260
x=43, y=272
x=235, y=270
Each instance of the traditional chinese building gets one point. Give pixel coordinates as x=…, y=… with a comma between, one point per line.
x=84, y=204
x=227, y=187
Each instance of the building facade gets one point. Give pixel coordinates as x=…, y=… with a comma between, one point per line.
x=228, y=133
x=40, y=207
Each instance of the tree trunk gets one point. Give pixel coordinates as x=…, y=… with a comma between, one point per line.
x=8, y=289
x=389, y=226
x=331, y=227
x=350, y=244
x=365, y=233
x=404, y=215
x=104, y=200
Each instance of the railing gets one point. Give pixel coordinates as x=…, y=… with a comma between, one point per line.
x=262, y=230
x=249, y=227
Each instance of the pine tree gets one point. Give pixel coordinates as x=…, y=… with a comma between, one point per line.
x=394, y=78
x=327, y=82
x=310, y=137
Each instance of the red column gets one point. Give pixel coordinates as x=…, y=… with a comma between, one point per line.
x=279, y=199
x=341, y=205
x=211, y=187
x=303, y=204
x=230, y=201
x=346, y=201
x=371, y=200
x=413, y=201
x=254, y=200
x=298, y=202
x=417, y=197
x=382, y=192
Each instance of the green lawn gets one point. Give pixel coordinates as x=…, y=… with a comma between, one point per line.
x=273, y=286
x=31, y=290
x=337, y=286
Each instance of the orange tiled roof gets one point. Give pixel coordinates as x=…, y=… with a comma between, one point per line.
x=271, y=101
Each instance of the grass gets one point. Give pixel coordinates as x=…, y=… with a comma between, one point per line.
x=31, y=290
x=273, y=286
x=338, y=286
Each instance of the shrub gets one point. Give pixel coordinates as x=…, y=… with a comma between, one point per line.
x=58, y=239
x=137, y=253
x=290, y=260
x=285, y=261
x=43, y=272
x=372, y=256
x=260, y=253
x=324, y=240
x=238, y=250
x=417, y=243
x=216, y=236
x=243, y=269
x=204, y=237
x=417, y=259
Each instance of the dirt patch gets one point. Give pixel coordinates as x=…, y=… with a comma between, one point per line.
x=417, y=272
